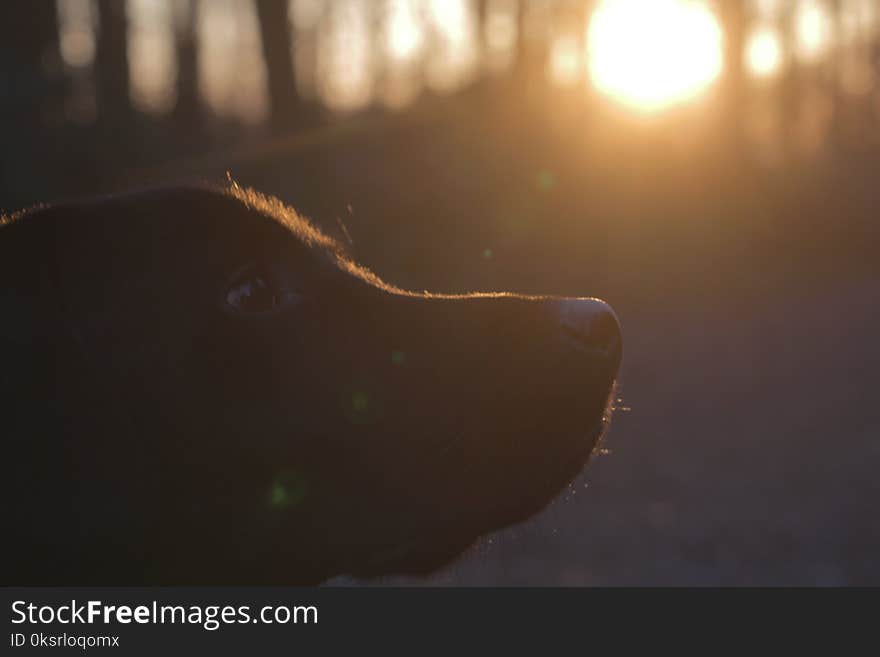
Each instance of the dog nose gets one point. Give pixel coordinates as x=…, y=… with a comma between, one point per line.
x=590, y=325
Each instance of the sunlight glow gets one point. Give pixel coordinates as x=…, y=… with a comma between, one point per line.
x=763, y=53
x=454, y=53
x=404, y=41
x=232, y=72
x=448, y=14
x=350, y=54
x=813, y=30
x=652, y=54
x=345, y=56
x=306, y=14
x=500, y=34
x=859, y=20
x=404, y=33
x=767, y=9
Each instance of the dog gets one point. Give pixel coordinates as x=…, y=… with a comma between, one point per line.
x=200, y=387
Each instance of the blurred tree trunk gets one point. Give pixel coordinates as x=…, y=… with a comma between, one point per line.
x=487, y=84
x=791, y=84
x=277, y=40
x=29, y=32
x=111, y=60
x=734, y=21
x=187, y=110
x=835, y=72
x=583, y=14
x=530, y=53
x=482, y=19
x=30, y=59
x=32, y=88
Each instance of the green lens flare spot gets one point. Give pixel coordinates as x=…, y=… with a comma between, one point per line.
x=488, y=254
x=546, y=181
x=288, y=490
x=398, y=358
x=278, y=497
x=360, y=402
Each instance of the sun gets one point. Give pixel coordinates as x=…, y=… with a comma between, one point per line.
x=651, y=54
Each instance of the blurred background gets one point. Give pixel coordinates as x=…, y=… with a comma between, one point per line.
x=708, y=167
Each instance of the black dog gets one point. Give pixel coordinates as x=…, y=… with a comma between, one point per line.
x=199, y=387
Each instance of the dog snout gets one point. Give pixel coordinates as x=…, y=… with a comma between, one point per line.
x=590, y=325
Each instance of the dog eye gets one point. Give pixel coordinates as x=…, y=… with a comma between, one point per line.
x=255, y=290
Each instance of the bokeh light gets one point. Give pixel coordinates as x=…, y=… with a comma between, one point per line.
x=352, y=54
x=152, y=56
x=455, y=48
x=763, y=52
x=500, y=33
x=813, y=30
x=77, y=26
x=344, y=58
x=232, y=72
x=404, y=33
x=565, y=65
